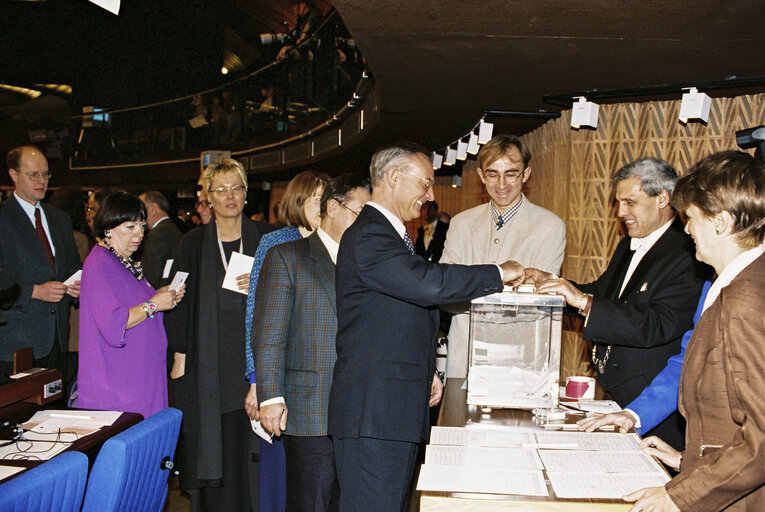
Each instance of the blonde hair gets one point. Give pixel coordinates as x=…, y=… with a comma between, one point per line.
x=226, y=165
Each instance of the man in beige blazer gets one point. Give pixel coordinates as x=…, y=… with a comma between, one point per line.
x=509, y=227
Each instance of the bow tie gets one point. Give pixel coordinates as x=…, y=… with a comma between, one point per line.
x=637, y=243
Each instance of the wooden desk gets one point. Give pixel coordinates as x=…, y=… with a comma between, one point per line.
x=89, y=445
x=456, y=413
x=40, y=388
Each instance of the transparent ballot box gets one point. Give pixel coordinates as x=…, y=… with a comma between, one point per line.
x=514, y=350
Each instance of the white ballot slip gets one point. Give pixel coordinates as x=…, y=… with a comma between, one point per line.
x=477, y=456
x=481, y=480
x=459, y=436
x=591, y=441
x=73, y=278
x=238, y=264
x=261, y=432
x=178, y=280
x=599, y=462
x=166, y=270
x=602, y=485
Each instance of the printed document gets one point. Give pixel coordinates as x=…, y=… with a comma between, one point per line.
x=481, y=480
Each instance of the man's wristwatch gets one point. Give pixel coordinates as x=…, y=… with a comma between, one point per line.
x=149, y=308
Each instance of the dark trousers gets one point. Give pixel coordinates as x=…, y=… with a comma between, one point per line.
x=311, y=478
x=240, y=473
x=374, y=474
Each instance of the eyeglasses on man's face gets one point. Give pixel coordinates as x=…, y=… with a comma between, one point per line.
x=510, y=177
x=204, y=203
x=225, y=191
x=354, y=212
x=426, y=182
x=36, y=175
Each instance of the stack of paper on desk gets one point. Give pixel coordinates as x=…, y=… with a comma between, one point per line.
x=578, y=464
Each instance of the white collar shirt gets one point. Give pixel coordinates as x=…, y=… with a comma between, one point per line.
x=641, y=246
x=30, y=211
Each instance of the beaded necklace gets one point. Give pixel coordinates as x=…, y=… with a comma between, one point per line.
x=134, y=268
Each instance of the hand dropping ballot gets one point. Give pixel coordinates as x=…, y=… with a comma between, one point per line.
x=238, y=264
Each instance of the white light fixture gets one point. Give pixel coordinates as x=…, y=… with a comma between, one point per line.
x=456, y=181
x=224, y=70
x=437, y=160
x=461, y=150
x=484, y=132
x=584, y=113
x=695, y=105
x=450, y=158
x=472, y=146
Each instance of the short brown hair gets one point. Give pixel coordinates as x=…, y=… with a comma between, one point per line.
x=299, y=190
x=498, y=147
x=729, y=181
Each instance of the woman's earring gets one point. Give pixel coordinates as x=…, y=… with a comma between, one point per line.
x=107, y=234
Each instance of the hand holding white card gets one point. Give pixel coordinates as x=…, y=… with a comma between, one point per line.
x=73, y=278
x=178, y=280
x=238, y=264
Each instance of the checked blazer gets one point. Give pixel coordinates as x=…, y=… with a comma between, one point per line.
x=293, y=332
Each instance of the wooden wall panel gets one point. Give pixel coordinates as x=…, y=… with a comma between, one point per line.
x=579, y=165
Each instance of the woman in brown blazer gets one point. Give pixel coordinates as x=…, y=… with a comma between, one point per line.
x=722, y=387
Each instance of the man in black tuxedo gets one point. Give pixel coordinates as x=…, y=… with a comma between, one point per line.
x=387, y=308
x=37, y=244
x=637, y=311
x=432, y=235
x=161, y=239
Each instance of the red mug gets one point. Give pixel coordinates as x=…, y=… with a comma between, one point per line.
x=580, y=387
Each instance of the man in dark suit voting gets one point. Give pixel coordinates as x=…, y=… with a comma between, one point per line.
x=293, y=337
x=637, y=311
x=387, y=309
x=36, y=242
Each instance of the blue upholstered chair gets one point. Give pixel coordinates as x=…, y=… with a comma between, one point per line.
x=131, y=470
x=56, y=486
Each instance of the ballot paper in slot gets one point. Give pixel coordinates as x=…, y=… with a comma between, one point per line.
x=514, y=350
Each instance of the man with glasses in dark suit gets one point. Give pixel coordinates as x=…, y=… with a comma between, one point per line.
x=36, y=242
x=387, y=313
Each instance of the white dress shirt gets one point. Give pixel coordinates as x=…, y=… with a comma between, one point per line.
x=30, y=211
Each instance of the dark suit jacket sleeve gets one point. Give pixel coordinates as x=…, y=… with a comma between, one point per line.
x=274, y=298
x=665, y=316
x=739, y=466
x=387, y=267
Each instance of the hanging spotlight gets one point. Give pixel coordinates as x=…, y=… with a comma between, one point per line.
x=484, y=132
x=437, y=160
x=472, y=146
x=456, y=181
x=451, y=156
x=695, y=105
x=584, y=113
x=461, y=150
x=224, y=70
